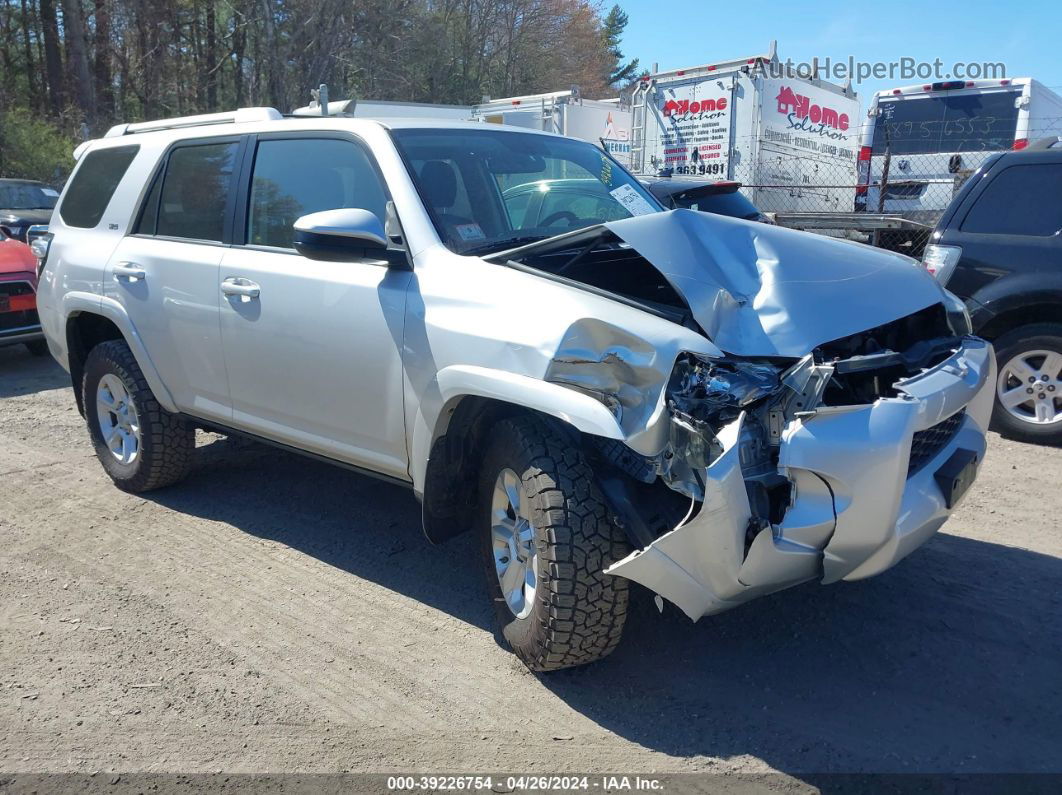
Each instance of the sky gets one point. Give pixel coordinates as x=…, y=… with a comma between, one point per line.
x=685, y=33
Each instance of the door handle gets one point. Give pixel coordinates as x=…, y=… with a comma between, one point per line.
x=129, y=270
x=241, y=287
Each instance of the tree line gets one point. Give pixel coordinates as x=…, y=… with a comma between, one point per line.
x=71, y=68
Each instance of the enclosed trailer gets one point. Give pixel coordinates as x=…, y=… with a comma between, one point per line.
x=791, y=140
x=922, y=142
x=603, y=122
x=380, y=109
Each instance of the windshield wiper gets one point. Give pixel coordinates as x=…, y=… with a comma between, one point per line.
x=501, y=245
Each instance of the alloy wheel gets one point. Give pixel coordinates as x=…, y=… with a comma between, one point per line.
x=1029, y=387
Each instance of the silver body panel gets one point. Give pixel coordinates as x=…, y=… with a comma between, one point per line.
x=365, y=364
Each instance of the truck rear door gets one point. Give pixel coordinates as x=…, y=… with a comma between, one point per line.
x=926, y=145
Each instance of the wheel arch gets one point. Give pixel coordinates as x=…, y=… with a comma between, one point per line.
x=447, y=442
x=1020, y=315
x=92, y=322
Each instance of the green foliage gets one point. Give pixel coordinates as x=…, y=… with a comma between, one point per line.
x=31, y=148
x=612, y=28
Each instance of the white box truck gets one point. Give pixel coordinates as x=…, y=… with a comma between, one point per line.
x=603, y=122
x=790, y=140
x=921, y=142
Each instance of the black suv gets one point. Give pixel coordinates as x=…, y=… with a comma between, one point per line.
x=998, y=246
x=24, y=203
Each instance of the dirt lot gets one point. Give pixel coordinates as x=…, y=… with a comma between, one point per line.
x=276, y=614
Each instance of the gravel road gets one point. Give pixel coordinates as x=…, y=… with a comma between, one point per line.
x=274, y=614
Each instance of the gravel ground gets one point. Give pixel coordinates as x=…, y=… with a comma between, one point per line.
x=273, y=614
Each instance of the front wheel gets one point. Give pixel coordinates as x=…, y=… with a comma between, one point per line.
x=546, y=538
x=1028, y=403
x=140, y=444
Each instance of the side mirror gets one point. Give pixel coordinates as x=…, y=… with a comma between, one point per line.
x=340, y=235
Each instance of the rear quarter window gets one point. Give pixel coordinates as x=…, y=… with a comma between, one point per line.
x=94, y=184
x=1020, y=200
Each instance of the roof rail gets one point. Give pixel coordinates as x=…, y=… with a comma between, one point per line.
x=241, y=116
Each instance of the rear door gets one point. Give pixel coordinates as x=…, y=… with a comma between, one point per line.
x=165, y=274
x=1011, y=228
x=314, y=355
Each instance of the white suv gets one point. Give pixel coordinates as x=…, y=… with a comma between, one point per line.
x=602, y=390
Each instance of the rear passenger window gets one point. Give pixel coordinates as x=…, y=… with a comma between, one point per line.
x=1021, y=200
x=295, y=177
x=195, y=192
x=93, y=185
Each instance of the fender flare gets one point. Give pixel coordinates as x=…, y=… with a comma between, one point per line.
x=74, y=303
x=457, y=381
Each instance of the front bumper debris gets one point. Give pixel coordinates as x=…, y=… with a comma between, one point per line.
x=860, y=501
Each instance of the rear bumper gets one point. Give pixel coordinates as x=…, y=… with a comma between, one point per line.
x=855, y=510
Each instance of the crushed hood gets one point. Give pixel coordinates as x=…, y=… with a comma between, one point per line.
x=762, y=290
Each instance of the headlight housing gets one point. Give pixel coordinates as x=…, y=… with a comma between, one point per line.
x=705, y=387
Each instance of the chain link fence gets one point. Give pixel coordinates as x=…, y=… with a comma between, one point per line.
x=889, y=192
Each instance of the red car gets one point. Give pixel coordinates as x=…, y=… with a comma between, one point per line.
x=18, y=297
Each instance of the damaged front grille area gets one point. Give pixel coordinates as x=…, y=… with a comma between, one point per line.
x=926, y=444
x=868, y=365
x=705, y=395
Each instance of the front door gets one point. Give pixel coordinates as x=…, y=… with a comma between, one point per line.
x=313, y=349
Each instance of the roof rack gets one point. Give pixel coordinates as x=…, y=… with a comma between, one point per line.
x=241, y=116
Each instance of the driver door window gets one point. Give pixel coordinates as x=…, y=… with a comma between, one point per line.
x=295, y=177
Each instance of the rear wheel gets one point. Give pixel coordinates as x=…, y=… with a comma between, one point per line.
x=546, y=538
x=140, y=444
x=1029, y=386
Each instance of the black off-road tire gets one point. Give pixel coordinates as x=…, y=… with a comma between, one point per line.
x=1034, y=337
x=578, y=611
x=37, y=347
x=167, y=442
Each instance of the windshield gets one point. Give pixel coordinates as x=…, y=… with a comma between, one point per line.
x=946, y=123
x=487, y=190
x=26, y=196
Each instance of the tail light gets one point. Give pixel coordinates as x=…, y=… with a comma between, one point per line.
x=941, y=261
x=40, y=244
x=20, y=303
x=863, y=170
x=1020, y=143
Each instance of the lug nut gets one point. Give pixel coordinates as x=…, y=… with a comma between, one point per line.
x=1032, y=379
x=1028, y=390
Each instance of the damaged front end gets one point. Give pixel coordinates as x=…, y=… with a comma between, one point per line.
x=837, y=420
x=831, y=467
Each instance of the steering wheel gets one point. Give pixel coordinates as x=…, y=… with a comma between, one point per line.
x=560, y=215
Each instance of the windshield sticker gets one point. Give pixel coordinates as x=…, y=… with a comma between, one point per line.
x=49, y=192
x=606, y=170
x=469, y=232
x=632, y=200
